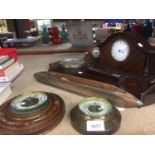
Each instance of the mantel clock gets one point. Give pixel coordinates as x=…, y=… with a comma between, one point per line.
x=125, y=59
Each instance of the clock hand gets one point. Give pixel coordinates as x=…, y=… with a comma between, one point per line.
x=120, y=51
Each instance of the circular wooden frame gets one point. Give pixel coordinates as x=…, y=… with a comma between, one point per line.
x=36, y=123
x=110, y=121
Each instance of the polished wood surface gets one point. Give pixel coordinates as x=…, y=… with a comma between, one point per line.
x=88, y=88
x=111, y=121
x=135, y=64
x=135, y=74
x=36, y=123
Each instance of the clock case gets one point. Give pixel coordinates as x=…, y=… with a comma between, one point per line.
x=136, y=73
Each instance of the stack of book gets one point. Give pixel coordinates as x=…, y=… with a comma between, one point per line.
x=5, y=91
x=10, y=69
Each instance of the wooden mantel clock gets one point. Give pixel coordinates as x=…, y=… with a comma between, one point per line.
x=124, y=59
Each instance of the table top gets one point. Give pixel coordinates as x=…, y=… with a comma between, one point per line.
x=135, y=121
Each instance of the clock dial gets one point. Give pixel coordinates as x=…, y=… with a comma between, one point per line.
x=120, y=50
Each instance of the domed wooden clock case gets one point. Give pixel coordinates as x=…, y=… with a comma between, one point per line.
x=124, y=59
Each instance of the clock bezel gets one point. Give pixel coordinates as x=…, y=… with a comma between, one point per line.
x=112, y=50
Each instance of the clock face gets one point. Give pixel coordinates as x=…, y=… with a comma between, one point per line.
x=120, y=50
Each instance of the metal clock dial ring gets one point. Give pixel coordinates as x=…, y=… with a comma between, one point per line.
x=120, y=50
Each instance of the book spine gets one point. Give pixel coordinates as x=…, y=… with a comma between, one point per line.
x=4, y=85
x=2, y=73
x=10, y=69
x=13, y=75
x=4, y=79
x=3, y=58
x=7, y=63
x=11, y=52
x=5, y=94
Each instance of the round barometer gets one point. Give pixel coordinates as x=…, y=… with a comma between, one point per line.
x=95, y=115
x=31, y=113
x=72, y=63
x=74, y=66
x=28, y=103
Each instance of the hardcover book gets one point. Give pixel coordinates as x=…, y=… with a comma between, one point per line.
x=10, y=69
x=3, y=58
x=11, y=52
x=5, y=91
x=6, y=63
x=12, y=76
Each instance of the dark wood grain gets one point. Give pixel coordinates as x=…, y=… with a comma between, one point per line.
x=36, y=123
x=135, y=63
x=135, y=74
x=118, y=98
